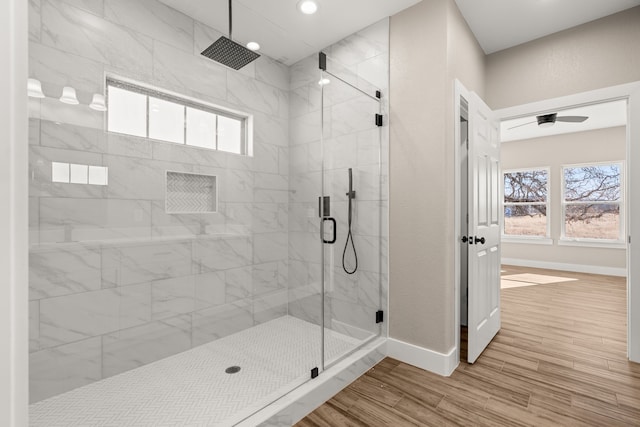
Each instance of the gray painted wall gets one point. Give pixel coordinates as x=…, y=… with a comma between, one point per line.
x=431, y=45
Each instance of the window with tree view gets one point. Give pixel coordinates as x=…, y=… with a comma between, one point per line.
x=592, y=197
x=526, y=203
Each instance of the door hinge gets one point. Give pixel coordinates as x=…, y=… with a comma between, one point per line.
x=378, y=119
x=379, y=316
x=629, y=239
x=314, y=373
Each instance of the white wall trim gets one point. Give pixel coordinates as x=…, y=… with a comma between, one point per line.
x=423, y=358
x=577, y=268
x=14, y=188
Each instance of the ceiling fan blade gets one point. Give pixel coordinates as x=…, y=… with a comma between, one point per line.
x=524, y=124
x=572, y=119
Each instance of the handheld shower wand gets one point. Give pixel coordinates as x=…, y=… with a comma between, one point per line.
x=350, y=195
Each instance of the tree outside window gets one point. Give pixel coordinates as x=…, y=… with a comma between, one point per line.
x=592, y=198
x=526, y=203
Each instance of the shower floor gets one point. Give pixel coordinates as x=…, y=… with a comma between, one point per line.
x=192, y=388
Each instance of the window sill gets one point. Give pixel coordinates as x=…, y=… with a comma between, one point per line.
x=527, y=240
x=592, y=244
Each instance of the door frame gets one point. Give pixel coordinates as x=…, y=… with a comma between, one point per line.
x=14, y=332
x=459, y=91
x=628, y=91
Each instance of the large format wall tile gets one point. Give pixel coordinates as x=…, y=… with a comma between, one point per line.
x=34, y=326
x=76, y=31
x=94, y=6
x=189, y=74
x=249, y=93
x=171, y=297
x=70, y=137
x=269, y=217
x=56, y=370
x=130, y=348
x=268, y=247
x=218, y=322
x=56, y=68
x=222, y=253
x=129, y=146
x=153, y=19
x=210, y=289
x=185, y=225
x=127, y=265
x=269, y=307
x=79, y=316
x=272, y=72
x=62, y=271
x=41, y=183
x=67, y=219
x=269, y=129
x=34, y=20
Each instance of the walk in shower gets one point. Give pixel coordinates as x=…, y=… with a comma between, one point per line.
x=197, y=265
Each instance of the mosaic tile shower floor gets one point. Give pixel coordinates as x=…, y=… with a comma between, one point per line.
x=192, y=388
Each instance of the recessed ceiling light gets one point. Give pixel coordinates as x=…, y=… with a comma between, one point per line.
x=308, y=7
x=253, y=46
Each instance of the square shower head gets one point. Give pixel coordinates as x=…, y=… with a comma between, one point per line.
x=229, y=53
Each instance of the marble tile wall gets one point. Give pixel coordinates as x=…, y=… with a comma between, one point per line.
x=115, y=281
x=350, y=140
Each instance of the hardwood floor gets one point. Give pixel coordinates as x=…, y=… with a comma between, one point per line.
x=559, y=359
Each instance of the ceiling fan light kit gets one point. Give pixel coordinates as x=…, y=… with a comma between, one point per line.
x=547, y=120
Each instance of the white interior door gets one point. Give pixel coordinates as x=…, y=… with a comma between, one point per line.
x=484, y=227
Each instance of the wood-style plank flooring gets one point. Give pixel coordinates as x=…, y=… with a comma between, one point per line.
x=559, y=359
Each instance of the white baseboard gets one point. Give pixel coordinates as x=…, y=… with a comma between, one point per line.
x=578, y=268
x=432, y=361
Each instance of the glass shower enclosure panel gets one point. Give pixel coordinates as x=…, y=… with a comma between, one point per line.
x=352, y=207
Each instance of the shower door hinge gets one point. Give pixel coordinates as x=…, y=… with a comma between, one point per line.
x=378, y=119
x=378, y=94
x=379, y=316
x=314, y=373
x=322, y=61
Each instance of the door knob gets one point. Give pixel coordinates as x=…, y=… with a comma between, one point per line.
x=481, y=240
x=464, y=239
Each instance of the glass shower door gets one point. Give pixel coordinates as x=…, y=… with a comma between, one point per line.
x=353, y=203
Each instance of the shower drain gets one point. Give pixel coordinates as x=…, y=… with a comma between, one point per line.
x=232, y=369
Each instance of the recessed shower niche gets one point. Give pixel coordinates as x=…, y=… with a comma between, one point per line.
x=191, y=193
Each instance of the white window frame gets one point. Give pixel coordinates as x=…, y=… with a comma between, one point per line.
x=537, y=240
x=589, y=242
x=246, y=143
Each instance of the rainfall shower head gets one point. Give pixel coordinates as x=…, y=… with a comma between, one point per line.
x=229, y=53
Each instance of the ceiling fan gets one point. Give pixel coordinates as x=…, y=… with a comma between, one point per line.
x=547, y=120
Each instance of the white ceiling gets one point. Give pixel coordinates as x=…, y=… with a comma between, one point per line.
x=500, y=24
x=604, y=115
x=283, y=32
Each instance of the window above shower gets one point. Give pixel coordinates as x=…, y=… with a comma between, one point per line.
x=150, y=113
